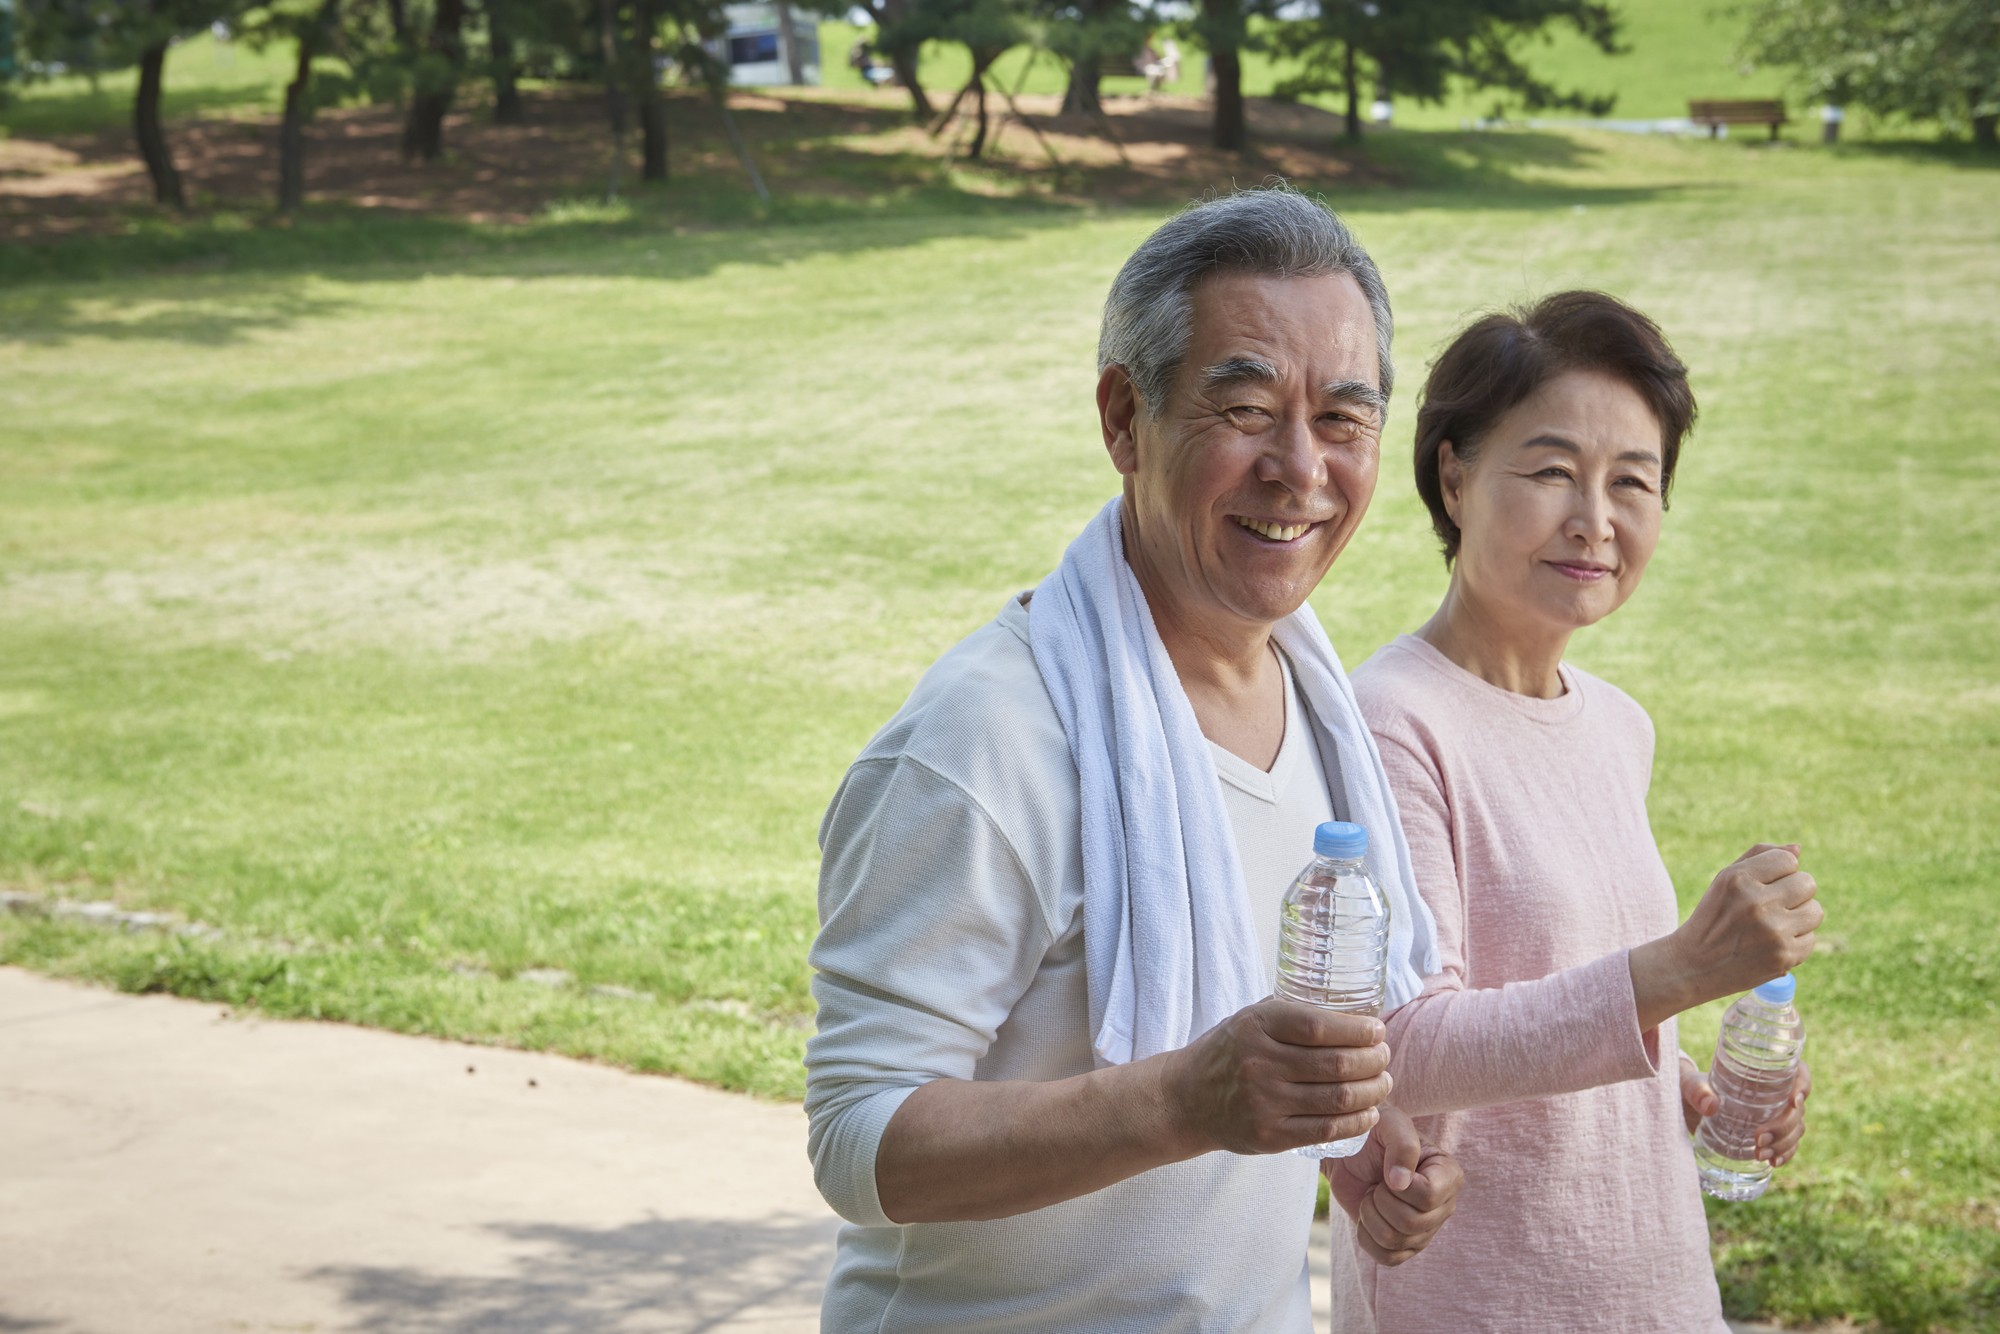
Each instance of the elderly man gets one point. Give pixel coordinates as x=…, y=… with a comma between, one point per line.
x=1049, y=1088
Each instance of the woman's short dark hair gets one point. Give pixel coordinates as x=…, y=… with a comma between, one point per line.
x=1502, y=359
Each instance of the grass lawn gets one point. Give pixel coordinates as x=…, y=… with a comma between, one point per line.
x=427, y=605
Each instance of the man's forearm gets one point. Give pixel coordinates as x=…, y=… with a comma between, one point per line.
x=960, y=1150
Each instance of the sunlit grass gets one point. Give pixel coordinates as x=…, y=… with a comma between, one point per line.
x=424, y=605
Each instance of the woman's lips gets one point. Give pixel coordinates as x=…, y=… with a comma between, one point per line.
x=1582, y=573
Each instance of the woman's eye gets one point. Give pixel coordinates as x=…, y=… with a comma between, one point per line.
x=1636, y=483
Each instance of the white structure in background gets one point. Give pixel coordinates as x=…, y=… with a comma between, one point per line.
x=769, y=44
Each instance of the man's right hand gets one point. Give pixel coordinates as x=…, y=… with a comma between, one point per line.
x=1755, y=923
x=1278, y=1075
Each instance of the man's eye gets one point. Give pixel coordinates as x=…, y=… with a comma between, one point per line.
x=1247, y=414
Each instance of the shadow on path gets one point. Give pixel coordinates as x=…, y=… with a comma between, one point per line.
x=681, y=1275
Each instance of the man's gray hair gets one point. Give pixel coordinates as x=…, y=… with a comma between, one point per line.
x=1275, y=230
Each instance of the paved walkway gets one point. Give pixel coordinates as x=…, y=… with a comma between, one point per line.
x=164, y=1168
x=167, y=1168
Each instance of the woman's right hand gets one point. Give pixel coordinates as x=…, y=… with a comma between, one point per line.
x=1755, y=922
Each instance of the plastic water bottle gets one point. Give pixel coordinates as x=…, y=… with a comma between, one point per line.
x=1333, y=939
x=1756, y=1056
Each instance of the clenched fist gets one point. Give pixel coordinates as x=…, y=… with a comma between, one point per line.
x=1755, y=923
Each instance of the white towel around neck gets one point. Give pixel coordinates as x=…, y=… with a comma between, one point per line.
x=1169, y=948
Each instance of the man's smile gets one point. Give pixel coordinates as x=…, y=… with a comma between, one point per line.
x=1274, y=530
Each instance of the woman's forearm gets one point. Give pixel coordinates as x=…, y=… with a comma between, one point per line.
x=1660, y=982
x=1458, y=1049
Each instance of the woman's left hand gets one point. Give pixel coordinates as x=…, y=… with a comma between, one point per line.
x=1777, y=1139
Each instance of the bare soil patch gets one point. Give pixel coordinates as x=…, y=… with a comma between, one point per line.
x=806, y=141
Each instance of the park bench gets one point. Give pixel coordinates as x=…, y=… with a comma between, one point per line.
x=1716, y=114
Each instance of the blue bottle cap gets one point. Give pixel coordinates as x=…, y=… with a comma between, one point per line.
x=1337, y=838
x=1778, y=991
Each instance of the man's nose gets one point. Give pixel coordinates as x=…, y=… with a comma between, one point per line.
x=1294, y=459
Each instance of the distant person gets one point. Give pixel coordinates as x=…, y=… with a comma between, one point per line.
x=1161, y=67
x=861, y=59
x=1049, y=1087
x=1542, y=1052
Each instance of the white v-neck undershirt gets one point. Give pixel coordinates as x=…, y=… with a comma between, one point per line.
x=1273, y=814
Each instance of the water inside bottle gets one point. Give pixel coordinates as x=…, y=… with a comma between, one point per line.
x=1333, y=946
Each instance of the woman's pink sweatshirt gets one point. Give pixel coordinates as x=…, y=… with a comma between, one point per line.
x=1523, y=1056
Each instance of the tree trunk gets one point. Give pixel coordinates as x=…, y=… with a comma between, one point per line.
x=146, y=128
x=1353, y=82
x=614, y=100
x=399, y=23
x=646, y=87
x=905, y=65
x=1222, y=29
x=1082, y=97
x=979, y=100
x=1986, y=131
x=1227, y=66
x=423, y=134
x=292, y=130
x=888, y=13
x=507, y=106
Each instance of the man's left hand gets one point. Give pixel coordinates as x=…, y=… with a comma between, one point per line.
x=1398, y=1190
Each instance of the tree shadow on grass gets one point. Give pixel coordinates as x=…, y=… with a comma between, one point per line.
x=46, y=316
x=844, y=176
x=671, y=1275
x=86, y=112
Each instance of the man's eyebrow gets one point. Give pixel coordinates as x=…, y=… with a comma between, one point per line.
x=1571, y=447
x=1357, y=391
x=1237, y=370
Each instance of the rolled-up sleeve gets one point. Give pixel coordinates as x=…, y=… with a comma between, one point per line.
x=930, y=932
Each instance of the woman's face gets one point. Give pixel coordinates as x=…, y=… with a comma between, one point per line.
x=1560, y=510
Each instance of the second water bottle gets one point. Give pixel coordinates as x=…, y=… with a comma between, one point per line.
x=1756, y=1060
x=1333, y=939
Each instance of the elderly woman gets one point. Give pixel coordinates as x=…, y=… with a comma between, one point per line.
x=1543, y=1052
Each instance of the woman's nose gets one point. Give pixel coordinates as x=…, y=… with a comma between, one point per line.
x=1590, y=518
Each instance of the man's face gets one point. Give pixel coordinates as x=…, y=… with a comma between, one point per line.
x=1251, y=478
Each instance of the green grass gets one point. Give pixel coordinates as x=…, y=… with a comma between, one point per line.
x=203, y=77
x=423, y=604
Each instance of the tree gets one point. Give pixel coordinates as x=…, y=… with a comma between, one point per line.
x=1223, y=27
x=314, y=26
x=502, y=62
x=901, y=28
x=1090, y=34
x=1421, y=48
x=111, y=34
x=986, y=28
x=436, y=82
x=1927, y=59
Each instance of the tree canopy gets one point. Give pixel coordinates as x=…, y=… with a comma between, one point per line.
x=1926, y=59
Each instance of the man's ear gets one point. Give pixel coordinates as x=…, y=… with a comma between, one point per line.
x=1118, y=409
x=1451, y=479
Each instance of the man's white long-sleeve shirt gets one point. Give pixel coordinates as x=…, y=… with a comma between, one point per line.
x=951, y=946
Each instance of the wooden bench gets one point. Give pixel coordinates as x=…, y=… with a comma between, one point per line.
x=1715, y=115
